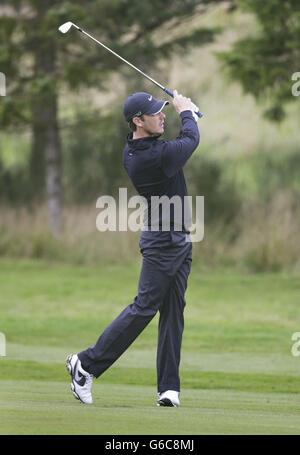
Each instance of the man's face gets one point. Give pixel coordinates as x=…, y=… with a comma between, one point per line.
x=153, y=125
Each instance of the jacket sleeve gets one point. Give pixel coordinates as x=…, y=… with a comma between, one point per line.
x=176, y=153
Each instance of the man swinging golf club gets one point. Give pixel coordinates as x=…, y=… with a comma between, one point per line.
x=155, y=169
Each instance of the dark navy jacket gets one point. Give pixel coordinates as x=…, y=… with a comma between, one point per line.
x=155, y=169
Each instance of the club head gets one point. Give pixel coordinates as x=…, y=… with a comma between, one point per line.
x=64, y=28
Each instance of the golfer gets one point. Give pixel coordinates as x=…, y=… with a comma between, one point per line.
x=155, y=169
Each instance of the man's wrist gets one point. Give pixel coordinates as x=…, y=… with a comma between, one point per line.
x=186, y=111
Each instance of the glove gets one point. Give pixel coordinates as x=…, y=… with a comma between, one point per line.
x=194, y=110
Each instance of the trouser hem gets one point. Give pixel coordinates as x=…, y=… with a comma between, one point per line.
x=85, y=365
x=163, y=388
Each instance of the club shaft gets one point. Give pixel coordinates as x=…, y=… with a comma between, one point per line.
x=131, y=65
x=123, y=59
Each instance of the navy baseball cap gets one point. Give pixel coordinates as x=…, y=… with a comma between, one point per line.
x=141, y=103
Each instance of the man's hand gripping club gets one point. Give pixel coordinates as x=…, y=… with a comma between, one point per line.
x=181, y=103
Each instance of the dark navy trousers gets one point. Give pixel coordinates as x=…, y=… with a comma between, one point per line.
x=162, y=285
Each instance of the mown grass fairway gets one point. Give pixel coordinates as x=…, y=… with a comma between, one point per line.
x=237, y=371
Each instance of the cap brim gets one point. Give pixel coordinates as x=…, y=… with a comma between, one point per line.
x=158, y=107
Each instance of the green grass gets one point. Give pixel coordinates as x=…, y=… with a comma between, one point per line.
x=238, y=375
x=42, y=407
x=28, y=370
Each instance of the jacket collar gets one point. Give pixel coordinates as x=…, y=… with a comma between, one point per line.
x=141, y=143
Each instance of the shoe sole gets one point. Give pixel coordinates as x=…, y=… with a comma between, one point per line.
x=166, y=403
x=69, y=365
x=74, y=393
x=70, y=371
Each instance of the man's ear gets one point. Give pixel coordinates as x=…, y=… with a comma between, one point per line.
x=137, y=121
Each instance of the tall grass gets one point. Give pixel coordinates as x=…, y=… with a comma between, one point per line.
x=269, y=234
x=25, y=233
x=262, y=237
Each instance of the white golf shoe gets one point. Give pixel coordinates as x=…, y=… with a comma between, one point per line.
x=168, y=398
x=81, y=380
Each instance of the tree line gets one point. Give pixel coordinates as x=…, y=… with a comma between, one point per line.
x=39, y=63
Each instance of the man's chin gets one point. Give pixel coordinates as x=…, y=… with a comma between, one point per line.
x=155, y=133
x=160, y=132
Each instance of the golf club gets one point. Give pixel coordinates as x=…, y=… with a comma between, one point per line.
x=64, y=28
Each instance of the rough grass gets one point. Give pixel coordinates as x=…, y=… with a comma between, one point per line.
x=263, y=237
